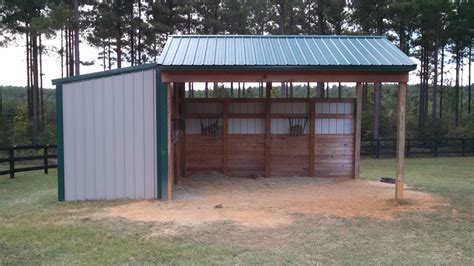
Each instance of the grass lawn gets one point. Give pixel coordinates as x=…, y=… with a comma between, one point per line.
x=35, y=228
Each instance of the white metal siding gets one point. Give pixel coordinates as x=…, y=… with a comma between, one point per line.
x=336, y=126
x=246, y=126
x=110, y=137
x=282, y=125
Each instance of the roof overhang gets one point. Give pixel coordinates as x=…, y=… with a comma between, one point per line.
x=207, y=75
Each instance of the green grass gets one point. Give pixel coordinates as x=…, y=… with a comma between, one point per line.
x=35, y=228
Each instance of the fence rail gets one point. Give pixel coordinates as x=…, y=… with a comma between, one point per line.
x=13, y=156
x=373, y=147
x=419, y=147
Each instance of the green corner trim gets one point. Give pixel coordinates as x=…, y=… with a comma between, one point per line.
x=102, y=74
x=161, y=136
x=60, y=141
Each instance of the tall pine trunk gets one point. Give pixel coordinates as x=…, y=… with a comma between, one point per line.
x=35, y=87
x=320, y=90
x=28, y=77
x=365, y=96
x=77, y=61
x=469, y=80
x=132, y=35
x=441, y=84
x=456, y=108
x=139, y=37
x=62, y=53
x=377, y=109
x=435, y=93
x=41, y=84
x=66, y=51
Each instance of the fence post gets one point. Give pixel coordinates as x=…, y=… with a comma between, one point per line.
x=463, y=144
x=377, y=148
x=45, y=159
x=408, y=148
x=11, y=157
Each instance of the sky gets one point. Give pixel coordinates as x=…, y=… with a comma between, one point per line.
x=13, y=66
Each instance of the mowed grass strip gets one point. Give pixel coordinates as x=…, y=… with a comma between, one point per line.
x=35, y=228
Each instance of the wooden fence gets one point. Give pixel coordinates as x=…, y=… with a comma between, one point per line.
x=375, y=148
x=27, y=153
x=419, y=147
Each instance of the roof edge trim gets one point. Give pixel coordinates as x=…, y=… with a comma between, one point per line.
x=276, y=36
x=102, y=74
x=218, y=68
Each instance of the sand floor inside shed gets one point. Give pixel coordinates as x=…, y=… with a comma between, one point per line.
x=272, y=202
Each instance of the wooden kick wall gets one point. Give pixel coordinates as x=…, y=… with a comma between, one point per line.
x=326, y=149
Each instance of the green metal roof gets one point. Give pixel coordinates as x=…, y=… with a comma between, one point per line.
x=103, y=74
x=283, y=52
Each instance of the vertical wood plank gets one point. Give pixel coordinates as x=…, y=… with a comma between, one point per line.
x=357, y=135
x=225, y=137
x=401, y=110
x=170, y=145
x=182, y=113
x=177, y=144
x=268, y=133
x=311, y=106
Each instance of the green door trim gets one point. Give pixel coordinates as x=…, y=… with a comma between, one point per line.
x=60, y=141
x=161, y=136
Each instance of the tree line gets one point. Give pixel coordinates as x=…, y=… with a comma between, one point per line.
x=132, y=32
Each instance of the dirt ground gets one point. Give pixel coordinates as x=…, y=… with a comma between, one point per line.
x=273, y=202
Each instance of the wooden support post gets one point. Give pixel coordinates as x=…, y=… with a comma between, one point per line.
x=357, y=135
x=268, y=132
x=401, y=111
x=179, y=101
x=45, y=159
x=170, y=145
x=225, y=139
x=176, y=144
x=182, y=113
x=312, y=106
x=11, y=161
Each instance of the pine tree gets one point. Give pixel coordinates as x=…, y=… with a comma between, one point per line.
x=235, y=15
x=459, y=39
x=369, y=16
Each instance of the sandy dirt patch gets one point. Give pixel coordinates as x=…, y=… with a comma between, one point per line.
x=272, y=202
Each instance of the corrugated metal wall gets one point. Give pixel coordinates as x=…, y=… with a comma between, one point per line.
x=336, y=126
x=246, y=125
x=282, y=125
x=110, y=137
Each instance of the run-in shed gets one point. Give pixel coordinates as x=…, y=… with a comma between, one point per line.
x=131, y=132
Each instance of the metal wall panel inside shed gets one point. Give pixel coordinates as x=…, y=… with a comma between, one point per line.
x=110, y=137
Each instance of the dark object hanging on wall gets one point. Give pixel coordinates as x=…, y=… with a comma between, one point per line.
x=209, y=126
x=297, y=125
